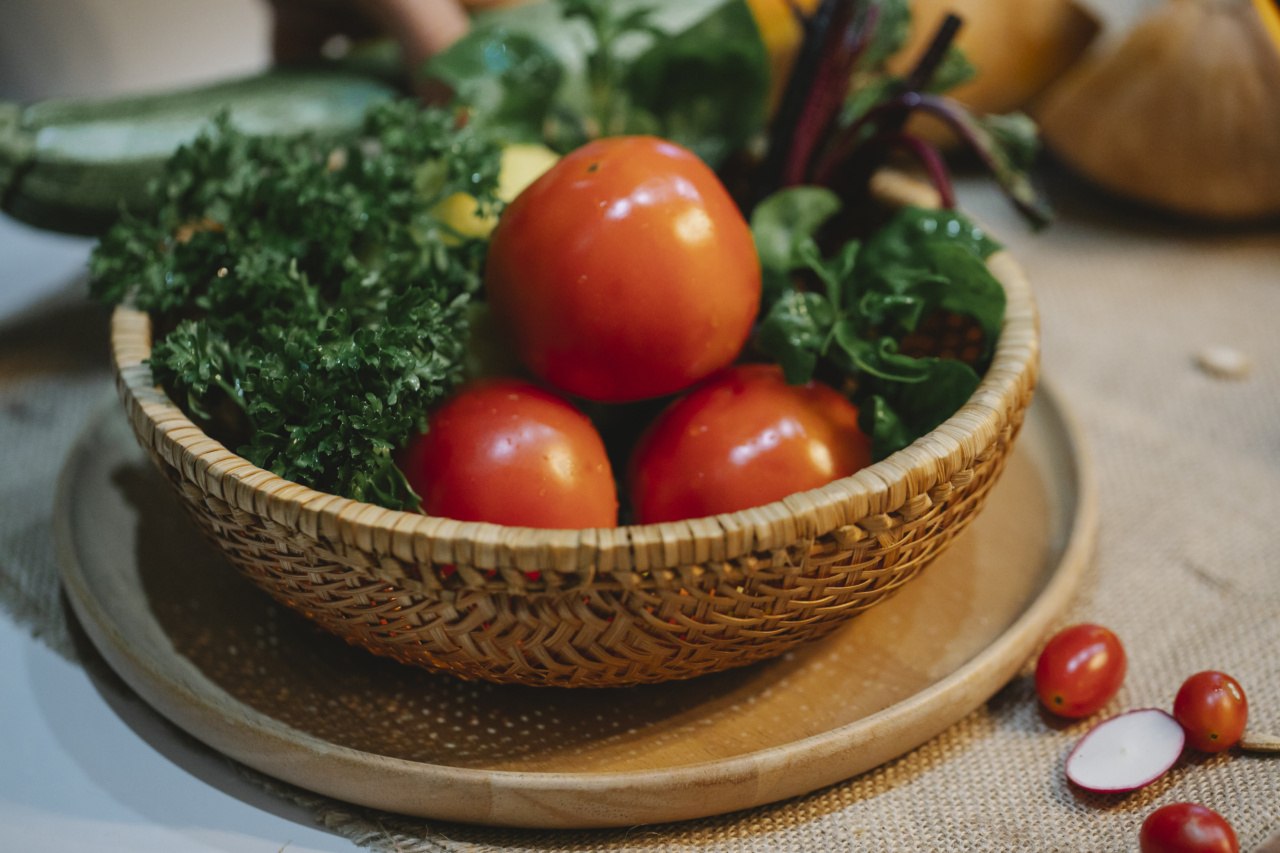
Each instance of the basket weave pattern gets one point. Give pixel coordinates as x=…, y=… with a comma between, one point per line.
x=594, y=607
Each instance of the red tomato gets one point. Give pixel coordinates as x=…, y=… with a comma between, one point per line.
x=506, y=451
x=625, y=272
x=1186, y=828
x=742, y=439
x=1213, y=710
x=1079, y=670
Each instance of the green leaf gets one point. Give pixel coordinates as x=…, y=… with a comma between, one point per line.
x=867, y=91
x=706, y=86
x=878, y=358
x=896, y=414
x=893, y=26
x=509, y=79
x=1017, y=135
x=900, y=240
x=876, y=292
x=888, y=433
x=835, y=273
x=943, y=276
x=781, y=224
x=892, y=310
x=795, y=332
x=693, y=71
x=315, y=309
x=962, y=284
x=954, y=70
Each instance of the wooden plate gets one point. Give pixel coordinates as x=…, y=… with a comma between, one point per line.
x=259, y=683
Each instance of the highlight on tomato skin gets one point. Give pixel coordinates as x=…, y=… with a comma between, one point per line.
x=509, y=452
x=741, y=439
x=1213, y=710
x=1187, y=828
x=625, y=272
x=1080, y=669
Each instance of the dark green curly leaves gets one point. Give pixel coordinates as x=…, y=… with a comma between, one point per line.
x=314, y=305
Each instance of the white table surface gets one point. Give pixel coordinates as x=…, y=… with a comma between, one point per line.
x=84, y=764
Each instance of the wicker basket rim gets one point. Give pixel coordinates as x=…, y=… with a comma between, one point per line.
x=884, y=487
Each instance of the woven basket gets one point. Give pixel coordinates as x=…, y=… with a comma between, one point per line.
x=601, y=607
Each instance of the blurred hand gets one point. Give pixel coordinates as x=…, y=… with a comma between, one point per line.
x=423, y=27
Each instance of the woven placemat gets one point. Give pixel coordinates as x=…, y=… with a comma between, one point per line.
x=1186, y=570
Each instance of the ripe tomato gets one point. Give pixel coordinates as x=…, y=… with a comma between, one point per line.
x=624, y=272
x=1186, y=828
x=743, y=438
x=506, y=451
x=1079, y=670
x=1213, y=710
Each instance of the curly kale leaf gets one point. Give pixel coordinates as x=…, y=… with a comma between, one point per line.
x=307, y=286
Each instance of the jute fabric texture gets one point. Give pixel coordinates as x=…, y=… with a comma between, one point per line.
x=1186, y=570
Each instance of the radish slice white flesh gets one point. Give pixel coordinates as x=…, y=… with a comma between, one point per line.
x=1126, y=752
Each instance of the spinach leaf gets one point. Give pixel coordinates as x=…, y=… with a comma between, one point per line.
x=902, y=238
x=693, y=71
x=780, y=224
x=866, y=298
x=509, y=79
x=795, y=332
x=892, y=27
x=706, y=87
x=896, y=414
x=943, y=276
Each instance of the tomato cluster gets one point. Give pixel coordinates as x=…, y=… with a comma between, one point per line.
x=626, y=272
x=1081, y=669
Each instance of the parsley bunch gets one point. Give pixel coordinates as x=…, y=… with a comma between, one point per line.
x=309, y=306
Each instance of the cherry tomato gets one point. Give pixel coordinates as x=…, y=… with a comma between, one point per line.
x=1213, y=710
x=509, y=452
x=1186, y=828
x=625, y=272
x=1079, y=670
x=743, y=438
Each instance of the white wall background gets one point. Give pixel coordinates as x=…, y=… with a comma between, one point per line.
x=54, y=48
x=90, y=48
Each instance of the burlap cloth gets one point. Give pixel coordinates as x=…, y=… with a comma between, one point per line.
x=1186, y=570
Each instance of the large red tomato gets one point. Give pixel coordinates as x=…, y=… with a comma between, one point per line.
x=506, y=451
x=743, y=438
x=625, y=272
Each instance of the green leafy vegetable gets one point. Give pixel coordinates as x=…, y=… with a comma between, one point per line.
x=705, y=88
x=955, y=70
x=892, y=27
x=896, y=414
x=781, y=224
x=854, y=309
x=901, y=239
x=693, y=71
x=509, y=79
x=845, y=112
x=306, y=288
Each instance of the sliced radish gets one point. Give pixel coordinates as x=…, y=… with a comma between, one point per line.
x=1126, y=752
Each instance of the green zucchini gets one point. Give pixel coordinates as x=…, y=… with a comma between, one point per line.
x=73, y=165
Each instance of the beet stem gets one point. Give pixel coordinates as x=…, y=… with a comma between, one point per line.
x=935, y=167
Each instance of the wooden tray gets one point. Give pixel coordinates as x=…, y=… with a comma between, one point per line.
x=259, y=683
